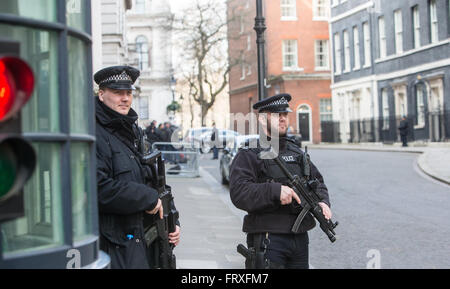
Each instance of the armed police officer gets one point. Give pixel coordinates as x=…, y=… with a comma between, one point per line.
x=123, y=196
x=258, y=186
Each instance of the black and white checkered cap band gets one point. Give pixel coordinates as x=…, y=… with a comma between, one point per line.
x=118, y=77
x=281, y=101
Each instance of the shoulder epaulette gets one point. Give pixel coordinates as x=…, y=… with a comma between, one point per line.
x=292, y=145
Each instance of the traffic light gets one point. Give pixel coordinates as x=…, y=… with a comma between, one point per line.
x=17, y=156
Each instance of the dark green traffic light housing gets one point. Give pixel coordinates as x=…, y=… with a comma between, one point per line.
x=17, y=163
x=17, y=156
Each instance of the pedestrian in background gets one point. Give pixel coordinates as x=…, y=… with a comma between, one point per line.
x=214, y=141
x=403, y=128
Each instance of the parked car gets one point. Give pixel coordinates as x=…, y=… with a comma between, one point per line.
x=194, y=135
x=225, y=137
x=230, y=152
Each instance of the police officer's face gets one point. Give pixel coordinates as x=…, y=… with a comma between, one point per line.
x=117, y=100
x=283, y=123
x=275, y=121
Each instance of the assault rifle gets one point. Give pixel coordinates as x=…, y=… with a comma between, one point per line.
x=156, y=230
x=306, y=189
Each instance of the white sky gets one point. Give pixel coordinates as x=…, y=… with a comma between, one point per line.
x=179, y=5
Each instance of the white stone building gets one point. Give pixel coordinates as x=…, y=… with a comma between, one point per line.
x=149, y=26
x=137, y=33
x=110, y=45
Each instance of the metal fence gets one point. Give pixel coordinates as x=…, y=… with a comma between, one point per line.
x=429, y=126
x=181, y=159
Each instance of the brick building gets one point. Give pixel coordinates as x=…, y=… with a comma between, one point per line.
x=297, y=59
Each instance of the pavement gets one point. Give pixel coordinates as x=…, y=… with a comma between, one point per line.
x=433, y=158
x=211, y=227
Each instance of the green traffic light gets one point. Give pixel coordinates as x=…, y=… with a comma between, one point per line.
x=8, y=170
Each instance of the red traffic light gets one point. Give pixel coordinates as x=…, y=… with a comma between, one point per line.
x=16, y=85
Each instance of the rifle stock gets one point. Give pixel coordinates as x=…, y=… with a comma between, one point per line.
x=157, y=230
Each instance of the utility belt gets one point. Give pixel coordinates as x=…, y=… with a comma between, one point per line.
x=255, y=254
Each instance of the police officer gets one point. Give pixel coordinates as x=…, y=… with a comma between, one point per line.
x=258, y=186
x=123, y=197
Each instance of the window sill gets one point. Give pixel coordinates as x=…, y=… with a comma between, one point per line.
x=293, y=69
x=412, y=51
x=289, y=19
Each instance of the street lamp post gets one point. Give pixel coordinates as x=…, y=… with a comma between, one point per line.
x=173, y=83
x=260, y=27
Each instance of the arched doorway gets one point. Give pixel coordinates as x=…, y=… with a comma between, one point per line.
x=304, y=122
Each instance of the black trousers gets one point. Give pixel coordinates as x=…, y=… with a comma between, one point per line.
x=404, y=139
x=286, y=251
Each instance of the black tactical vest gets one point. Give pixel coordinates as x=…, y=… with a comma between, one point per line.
x=293, y=158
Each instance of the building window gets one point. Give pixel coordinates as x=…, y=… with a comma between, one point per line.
x=42, y=226
x=356, y=48
x=288, y=10
x=322, y=60
x=249, y=69
x=45, y=10
x=433, y=22
x=140, y=6
x=143, y=52
x=385, y=100
x=59, y=197
x=416, y=26
x=242, y=69
x=337, y=53
x=290, y=54
x=398, y=30
x=320, y=9
x=448, y=16
x=420, y=106
x=76, y=10
x=346, y=52
x=143, y=107
x=367, y=48
x=326, y=110
x=382, y=36
x=78, y=59
x=80, y=168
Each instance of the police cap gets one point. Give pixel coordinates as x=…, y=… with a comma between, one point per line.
x=117, y=77
x=277, y=103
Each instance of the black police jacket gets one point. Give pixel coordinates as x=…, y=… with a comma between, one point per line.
x=123, y=196
x=255, y=187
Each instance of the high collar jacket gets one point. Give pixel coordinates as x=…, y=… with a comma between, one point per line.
x=123, y=196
